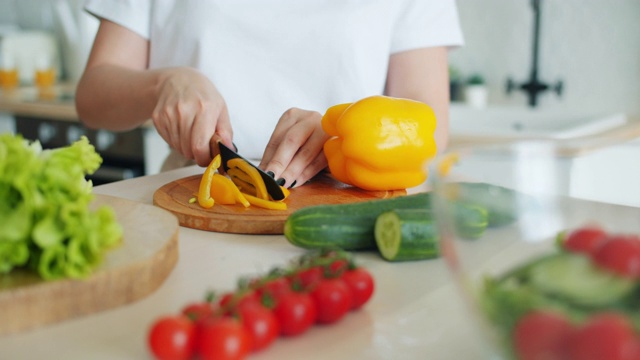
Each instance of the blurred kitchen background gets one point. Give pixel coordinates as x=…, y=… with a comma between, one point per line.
x=592, y=46
x=588, y=72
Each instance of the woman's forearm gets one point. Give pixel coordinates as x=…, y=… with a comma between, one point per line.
x=423, y=75
x=117, y=98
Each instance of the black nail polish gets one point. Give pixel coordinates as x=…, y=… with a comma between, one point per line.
x=281, y=181
x=293, y=184
x=234, y=145
x=270, y=173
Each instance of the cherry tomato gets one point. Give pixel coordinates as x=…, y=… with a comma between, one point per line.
x=361, y=284
x=273, y=288
x=198, y=310
x=172, y=337
x=620, y=254
x=337, y=268
x=230, y=301
x=223, y=338
x=585, y=240
x=226, y=299
x=604, y=336
x=261, y=324
x=636, y=349
x=542, y=335
x=333, y=300
x=296, y=312
x=307, y=279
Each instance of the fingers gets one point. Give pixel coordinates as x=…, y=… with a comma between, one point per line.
x=189, y=112
x=318, y=164
x=294, y=152
x=210, y=126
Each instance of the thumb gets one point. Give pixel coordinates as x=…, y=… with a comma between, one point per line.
x=224, y=131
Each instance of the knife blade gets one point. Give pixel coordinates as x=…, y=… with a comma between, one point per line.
x=274, y=190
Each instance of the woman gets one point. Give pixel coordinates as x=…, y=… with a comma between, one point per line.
x=233, y=70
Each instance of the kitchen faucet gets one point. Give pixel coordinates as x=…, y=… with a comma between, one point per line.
x=534, y=86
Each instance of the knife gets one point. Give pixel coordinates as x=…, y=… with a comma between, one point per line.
x=274, y=190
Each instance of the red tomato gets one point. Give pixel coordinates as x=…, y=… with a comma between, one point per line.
x=604, y=336
x=636, y=349
x=223, y=338
x=296, y=312
x=333, y=300
x=172, y=337
x=226, y=299
x=585, y=240
x=337, y=268
x=273, y=288
x=260, y=322
x=199, y=310
x=361, y=284
x=620, y=254
x=542, y=335
x=307, y=279
x=230, y=301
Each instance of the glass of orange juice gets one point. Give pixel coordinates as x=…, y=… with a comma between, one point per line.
x=45, y=78
x=45, y=74
x=9, y=78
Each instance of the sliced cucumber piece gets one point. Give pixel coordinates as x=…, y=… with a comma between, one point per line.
x=470, y=220
x=403, y=235
x=500, y=202
x=575, y=278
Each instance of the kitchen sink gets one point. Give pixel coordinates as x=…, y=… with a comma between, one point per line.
x=521, y=122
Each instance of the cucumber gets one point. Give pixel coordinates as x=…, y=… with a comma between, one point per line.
x=351, y=226
x=470, y=220
x=346, y=226
x=500, y=202
x=576, y=279
x=408, y=234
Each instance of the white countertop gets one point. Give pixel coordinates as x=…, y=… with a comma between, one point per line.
x=415, y=313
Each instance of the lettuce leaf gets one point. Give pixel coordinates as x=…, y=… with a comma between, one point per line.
x=45, y=221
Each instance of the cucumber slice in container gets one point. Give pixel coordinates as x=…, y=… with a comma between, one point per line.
x=406, y=234
x=575, y=278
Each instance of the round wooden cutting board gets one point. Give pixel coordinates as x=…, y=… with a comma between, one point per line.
x=136, y=267
x=323, y=189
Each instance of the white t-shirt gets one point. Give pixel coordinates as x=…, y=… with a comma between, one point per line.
x=266, y=56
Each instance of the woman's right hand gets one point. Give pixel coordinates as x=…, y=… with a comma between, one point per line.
x=189, y=112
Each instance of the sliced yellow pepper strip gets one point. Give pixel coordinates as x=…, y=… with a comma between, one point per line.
x=266, y=204
x=447, y=162
x=242, y=181
x=235, y=172
x=224, y=191
x=286, y=193
x=204, y=193
x=220, y=191
x=256, y=179
x=244, y=186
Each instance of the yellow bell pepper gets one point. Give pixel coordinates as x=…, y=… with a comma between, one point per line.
x=380, y=142
x=242, y=181
x=224, y=191
x=266, y=204
x=204, y=193
x=254, y=175
x=286, y=193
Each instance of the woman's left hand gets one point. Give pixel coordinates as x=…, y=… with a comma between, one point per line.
x=294, y=152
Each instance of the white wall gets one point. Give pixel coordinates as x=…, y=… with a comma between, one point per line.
x=65, y=19
x=592, y=45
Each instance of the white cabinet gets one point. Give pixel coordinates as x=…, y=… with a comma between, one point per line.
x=613, y=171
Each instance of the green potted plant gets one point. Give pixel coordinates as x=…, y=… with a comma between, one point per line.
x=476, y=93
